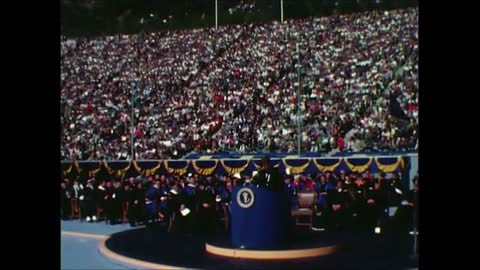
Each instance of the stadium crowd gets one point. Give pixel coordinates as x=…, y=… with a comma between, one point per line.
x=234, y=88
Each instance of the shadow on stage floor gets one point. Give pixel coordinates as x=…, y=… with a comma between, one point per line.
x=359, y=250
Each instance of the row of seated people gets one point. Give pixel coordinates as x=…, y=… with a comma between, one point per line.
x=140, y=201
x=345, y=200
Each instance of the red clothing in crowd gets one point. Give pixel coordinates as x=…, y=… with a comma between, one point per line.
x=138, y=133
x=309, y=184
x=334, y=131
x=89, y=108
x=296, y=184
x=411, y=107
x=218, y=98
x=368, y=177
x=340, y=143
x=293, y=100
x=218, y=120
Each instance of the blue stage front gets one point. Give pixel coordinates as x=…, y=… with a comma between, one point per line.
x=259, y=221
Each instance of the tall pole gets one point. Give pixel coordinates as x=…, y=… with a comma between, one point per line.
x=281, y=11
x=415, y=244
x=216, y=14
x=131, y=127
x=299, y=137
x=415, y=220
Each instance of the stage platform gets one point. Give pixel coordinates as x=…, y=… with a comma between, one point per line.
x=286, y=254
x=154, y=248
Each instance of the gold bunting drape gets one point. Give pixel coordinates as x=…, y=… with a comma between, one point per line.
x=68, y=170
x=358, y=168
x=136, y=167
x=109, y=170
x=233, y=170
x=149, y=172
x=204, y=171
x=177, y=171
x=296, y=169
x=75, y=163
x=93, y=172
x=324, y=168
x=116, y=172
x=146, y=172
x=388, y=168
x=386, y=164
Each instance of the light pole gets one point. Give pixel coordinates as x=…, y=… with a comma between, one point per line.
x=415, y=220
x=132, y=91
x=299, y=138
x=216, y=14
x=281, y=11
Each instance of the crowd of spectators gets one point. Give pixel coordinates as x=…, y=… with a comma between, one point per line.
x=234, y=88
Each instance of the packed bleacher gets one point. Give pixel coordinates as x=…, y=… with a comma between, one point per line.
x=234, y=88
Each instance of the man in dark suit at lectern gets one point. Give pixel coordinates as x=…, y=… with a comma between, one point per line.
x=268, y=177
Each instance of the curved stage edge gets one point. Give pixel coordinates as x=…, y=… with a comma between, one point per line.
x=131, y=261
x=271, y=254
x=154, y=248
